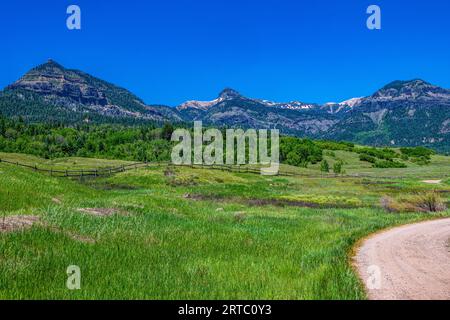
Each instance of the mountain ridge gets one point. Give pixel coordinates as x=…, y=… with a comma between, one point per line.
x=402, y=113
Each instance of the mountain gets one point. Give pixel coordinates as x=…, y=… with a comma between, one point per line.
x=52, y=91
x=409, y=113
x=402, y=113
x=232, y=109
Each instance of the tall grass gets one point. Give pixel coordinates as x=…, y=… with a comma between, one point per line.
x=218, y=243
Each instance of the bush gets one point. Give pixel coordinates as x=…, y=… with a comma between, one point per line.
x=389, y=164
x=169, y=172
x=390, y=205
x=324, y=166
x=337, y=167
x=334, y=145
x=366, y=157
x=427, y=202
x=421, y=161
x=417, y=152
x=299, y=152
x=330, y=154
x=183, y=181
x=383, y=154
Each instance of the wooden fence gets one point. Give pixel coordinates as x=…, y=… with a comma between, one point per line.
x=97, y=172
x=100, y=172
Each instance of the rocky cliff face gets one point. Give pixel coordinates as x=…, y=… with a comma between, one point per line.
x=52, y=79
x=78, y=92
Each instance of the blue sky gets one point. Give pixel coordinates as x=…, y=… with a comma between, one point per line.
x=174, y=50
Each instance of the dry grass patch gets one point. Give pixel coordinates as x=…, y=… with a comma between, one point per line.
x=80, y=238
x=426, y=202
x=56, y=200
x=100, y=212
x=239, y=216
x=432, y=181
x=72, y=235
x=17, y=223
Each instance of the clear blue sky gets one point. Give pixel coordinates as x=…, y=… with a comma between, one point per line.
x=169, y=51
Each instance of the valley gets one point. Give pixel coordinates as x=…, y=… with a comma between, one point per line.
x=183, y=233
x=86, y=181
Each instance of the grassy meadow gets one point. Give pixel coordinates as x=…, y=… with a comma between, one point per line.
x=183, y=233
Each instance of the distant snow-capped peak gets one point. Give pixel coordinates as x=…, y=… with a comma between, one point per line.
x=344, y=105
x=351, y=102
x=293, y=105
x=231, y=94
x=199, y=105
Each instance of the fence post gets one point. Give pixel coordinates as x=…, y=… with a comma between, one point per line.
x=67, y=173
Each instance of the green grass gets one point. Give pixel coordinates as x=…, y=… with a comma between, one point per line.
x=202, y=241
x=71, y=163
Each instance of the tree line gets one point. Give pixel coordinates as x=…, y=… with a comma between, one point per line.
x=148, y=142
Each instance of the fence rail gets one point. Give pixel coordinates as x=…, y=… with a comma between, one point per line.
x=99, y=172
x=107, y=171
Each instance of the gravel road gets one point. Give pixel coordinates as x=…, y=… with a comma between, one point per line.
x=411, y=262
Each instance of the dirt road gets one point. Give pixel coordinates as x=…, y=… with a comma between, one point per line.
x=410, y=262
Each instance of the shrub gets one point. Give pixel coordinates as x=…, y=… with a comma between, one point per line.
x=334, y=145
x=169, y=172
x=421, y=161
x=337, y=167
x=390, y=205
x=182, y=181
x=417, y=152
x=427, y=202
x=324, y=166
x=383, y=154
x=366, y=157
x=389, y=164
